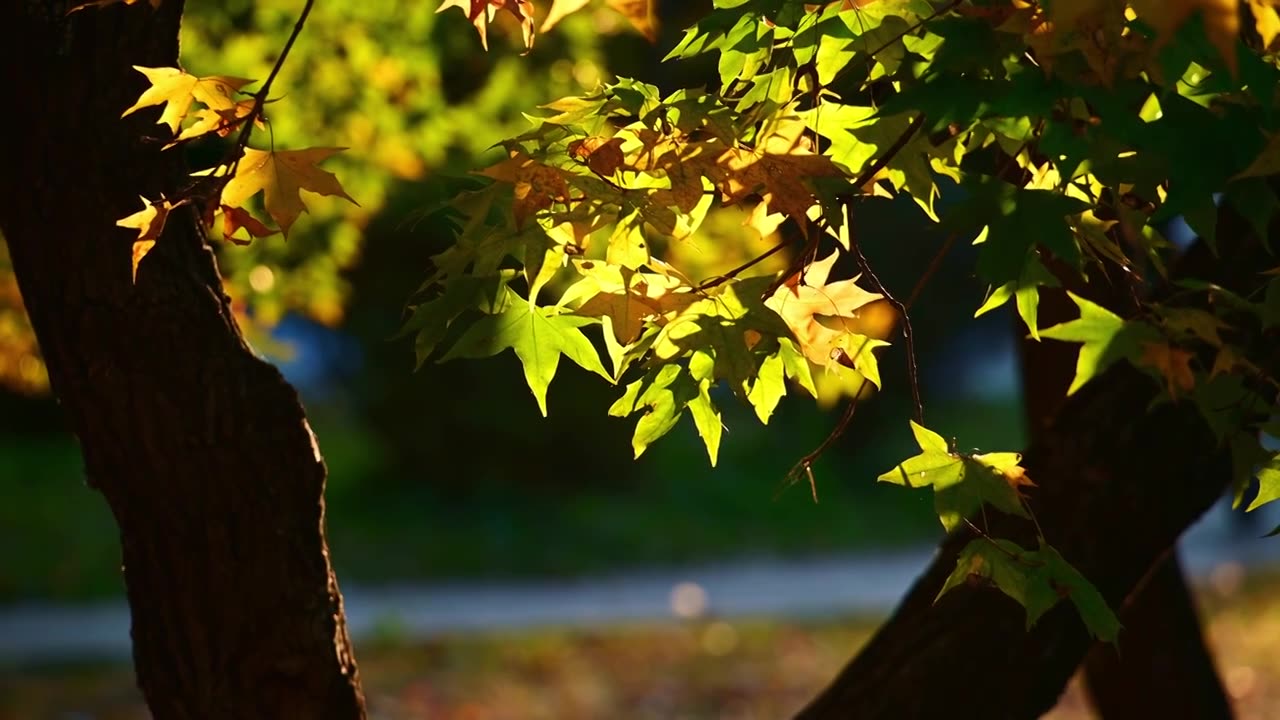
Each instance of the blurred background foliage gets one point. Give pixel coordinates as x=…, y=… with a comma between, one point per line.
x=450, y=471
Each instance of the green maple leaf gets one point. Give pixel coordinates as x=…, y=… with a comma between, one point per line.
x=1268, y=483
x=663, y=393
x=962, y=483
x=539, y=337
x=1026, y=293
x=1106, y=338
x=1036, y=580
x=935, y=465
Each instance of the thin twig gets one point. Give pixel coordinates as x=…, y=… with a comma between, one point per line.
x=929, y=272
x=721, y=279
x=913, y=370
x=805, y=465
x=881, y=162
x=885, y=46
x=260, y=97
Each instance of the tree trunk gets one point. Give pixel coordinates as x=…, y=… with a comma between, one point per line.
x=1118, y=483
x=1166, y=670
x=201, y=449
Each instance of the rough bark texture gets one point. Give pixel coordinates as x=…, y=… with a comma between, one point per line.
x=201, y=449
x=1105, y=475
x=1118, y=483
x=1166, y=670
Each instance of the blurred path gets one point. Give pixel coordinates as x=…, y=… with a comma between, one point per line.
x=777, y=587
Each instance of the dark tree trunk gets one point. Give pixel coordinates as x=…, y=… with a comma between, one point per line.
x=1166, y=670
x=1118, y=483
x=201, y=449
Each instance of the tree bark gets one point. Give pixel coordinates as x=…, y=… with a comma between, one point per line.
x=1166, y=670
x=201, y=449
x=1118, y=482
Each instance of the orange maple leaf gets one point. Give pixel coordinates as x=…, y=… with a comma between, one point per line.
x=234, y=218
x=1172, y=363
x=1016, y=476
x=480, y=12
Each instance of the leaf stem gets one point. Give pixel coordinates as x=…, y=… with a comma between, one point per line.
x=260, y=97
x=913, y=369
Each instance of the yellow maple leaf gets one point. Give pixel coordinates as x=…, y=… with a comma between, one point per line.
x=280, y=175
x=821, y=314
x=1172, y=363
x=560, y=9
x=155, y=4
x=220, y=121
x=1266, y=20
x=1016, y=476
x=637, y=12
x=1221, y=21
x=176, y=89
x=149, y=222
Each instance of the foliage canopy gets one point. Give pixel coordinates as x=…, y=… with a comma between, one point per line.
x=1059, y=136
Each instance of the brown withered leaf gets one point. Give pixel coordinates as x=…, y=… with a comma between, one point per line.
x=536, y=185
x=603, y=155
x=777, y=169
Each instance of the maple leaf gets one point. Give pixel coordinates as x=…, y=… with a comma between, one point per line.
x=777, y=168
x=640, y=14
x=961, y=483
x=539, y=337
x=646, y=297
x=1221, y=22
x=176, y=90
x=637, y=12
x=804, y=307
x=536, y=185
x=149, y=222
x=603, y=155
x=280, y=175
x=220, y=121
x=1105, y=337
x=560, y=9
x=480, y=12
x=1035, y=579
x=1172, y=363
x=234, y=218
x=155, y=4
